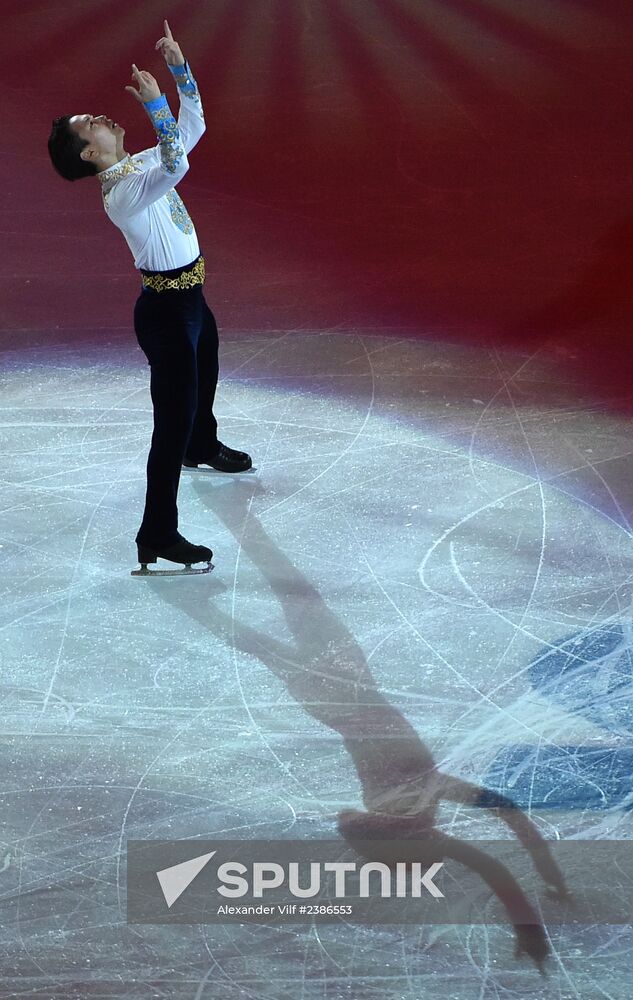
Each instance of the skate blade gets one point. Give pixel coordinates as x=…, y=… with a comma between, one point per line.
x=185, y=571
x=209, y=470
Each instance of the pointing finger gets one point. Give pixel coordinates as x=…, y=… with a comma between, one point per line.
x=168, y=31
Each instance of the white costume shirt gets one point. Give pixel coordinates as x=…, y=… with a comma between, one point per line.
x=139, y=193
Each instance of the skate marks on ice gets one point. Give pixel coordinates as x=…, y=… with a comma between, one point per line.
x=325, y=671
x=441, y=441
x=589, y=674
x=578, y=572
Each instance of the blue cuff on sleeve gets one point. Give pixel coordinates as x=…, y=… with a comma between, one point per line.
x=156, y=104
x=166, y=127
x=184, y=78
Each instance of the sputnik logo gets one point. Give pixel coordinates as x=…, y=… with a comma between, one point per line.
x=174, y=880
x=267, y=876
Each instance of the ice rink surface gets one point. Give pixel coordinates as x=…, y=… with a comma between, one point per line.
x=436, y=534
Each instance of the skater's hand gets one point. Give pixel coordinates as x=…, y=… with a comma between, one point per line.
x=148, y=89
x=170, y=49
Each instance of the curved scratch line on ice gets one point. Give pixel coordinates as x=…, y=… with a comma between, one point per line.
x=349, y=447
x=454, y=670
x=541, y=558
x=504, y=385
x=72, y=585
x=458, y=524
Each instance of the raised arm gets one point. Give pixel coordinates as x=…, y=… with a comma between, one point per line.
x=144, y=188
x=191, y=116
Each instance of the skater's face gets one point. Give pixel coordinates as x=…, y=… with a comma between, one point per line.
x=104, y=137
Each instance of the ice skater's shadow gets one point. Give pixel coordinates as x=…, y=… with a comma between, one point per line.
x=326, y=672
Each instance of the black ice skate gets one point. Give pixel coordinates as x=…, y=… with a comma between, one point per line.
x=224, y=460
x=181, y=551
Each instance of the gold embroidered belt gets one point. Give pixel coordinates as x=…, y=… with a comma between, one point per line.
x=178, y=279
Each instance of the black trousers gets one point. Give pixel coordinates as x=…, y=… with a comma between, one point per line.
x=179, y=336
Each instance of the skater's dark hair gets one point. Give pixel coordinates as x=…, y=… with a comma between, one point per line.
x=64, y=147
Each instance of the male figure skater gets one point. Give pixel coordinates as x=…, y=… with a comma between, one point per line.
x=173, y=323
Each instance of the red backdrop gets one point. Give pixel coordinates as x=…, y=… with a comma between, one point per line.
x=457, y=168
